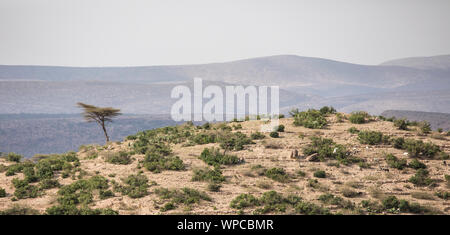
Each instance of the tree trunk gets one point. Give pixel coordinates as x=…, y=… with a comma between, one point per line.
x=104, y=131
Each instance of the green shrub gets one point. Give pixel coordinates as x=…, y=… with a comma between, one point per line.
x=308, y=208
x=392, y=204
x=80, y=192
x=353, y=130
x=104, y=194
x=73, y=210
x=48, y=184
x=120, y=158
x=320, y=174
x=186, y=196
x=208, y=175
x=280, y=128
x=270, y=201
x=135, y=186
x=443, y=195
x=13, y=157
x=312, y=118
x=157, y=163
x=327, y=149
x=244, y=201
x=398, y=142
x=421, y=178
x=330, y=199
x=327, y=110
x=44, y=169
x=277, y=174
x=19, y=210
x=416, y=164
x=371, y=137
x=204, y=138
x=401, y=124
x=424, y=127
x=234, y=141
x=214, y=187
x=417, y=148
x=394, y=162
x=213, y=156
x=2, y=192
x=358, y=117
x=257, y=136
x=24, y=190
x=274, y=134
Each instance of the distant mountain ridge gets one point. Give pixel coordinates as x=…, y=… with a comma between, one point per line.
x=437, y=120
x=431, y=62
x=304, y=81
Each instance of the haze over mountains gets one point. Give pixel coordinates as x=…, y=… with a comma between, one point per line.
x=146, y=90
x=417, y=84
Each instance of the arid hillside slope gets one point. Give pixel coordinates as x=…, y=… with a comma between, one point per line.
x=168, y=171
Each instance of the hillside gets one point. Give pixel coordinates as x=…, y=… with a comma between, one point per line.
x=176, y=175
x=437, y=120
x=30, y=134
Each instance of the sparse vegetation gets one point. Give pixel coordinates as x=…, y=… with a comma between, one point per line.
x=312, y=118
x=120, y=158
x=421, y=178
x=186, y=196
x=274, y=134
x=277, y=174
x=135, y=186
x=214, y=157
x=271, y=179
x=214, y=176
x=372, y=137
x=359, y=117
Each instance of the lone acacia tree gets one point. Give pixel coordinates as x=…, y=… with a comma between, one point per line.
x=100, y=115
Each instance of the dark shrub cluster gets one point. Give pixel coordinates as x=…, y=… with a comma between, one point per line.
x=401, y=124
x=186, y=196
x=274, y=134
x=13, y=157
x=394, y=162
x=24, y=189
x=234, y=141
x=320, y=174
x=331, y=199
x=81, y=191
x=19, y=210
x=277, y=174
x=393, y=204
x=353, y=130
x=272, y=201
x=327, y=110
x=372, y=137
x=421, y=178
x=135, y=186
x=159, y=157
x=327, y=149
x=280, y=128
x=257, y=136
x=120, y=158
x=73, y=210
x=312, y=118
x=416, y=148
x=358, y=117
x=214, y=157
x=208, y=175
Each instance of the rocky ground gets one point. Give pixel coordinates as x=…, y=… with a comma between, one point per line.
x=375, y=181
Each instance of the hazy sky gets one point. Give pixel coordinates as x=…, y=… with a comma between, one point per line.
x=131, y=32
